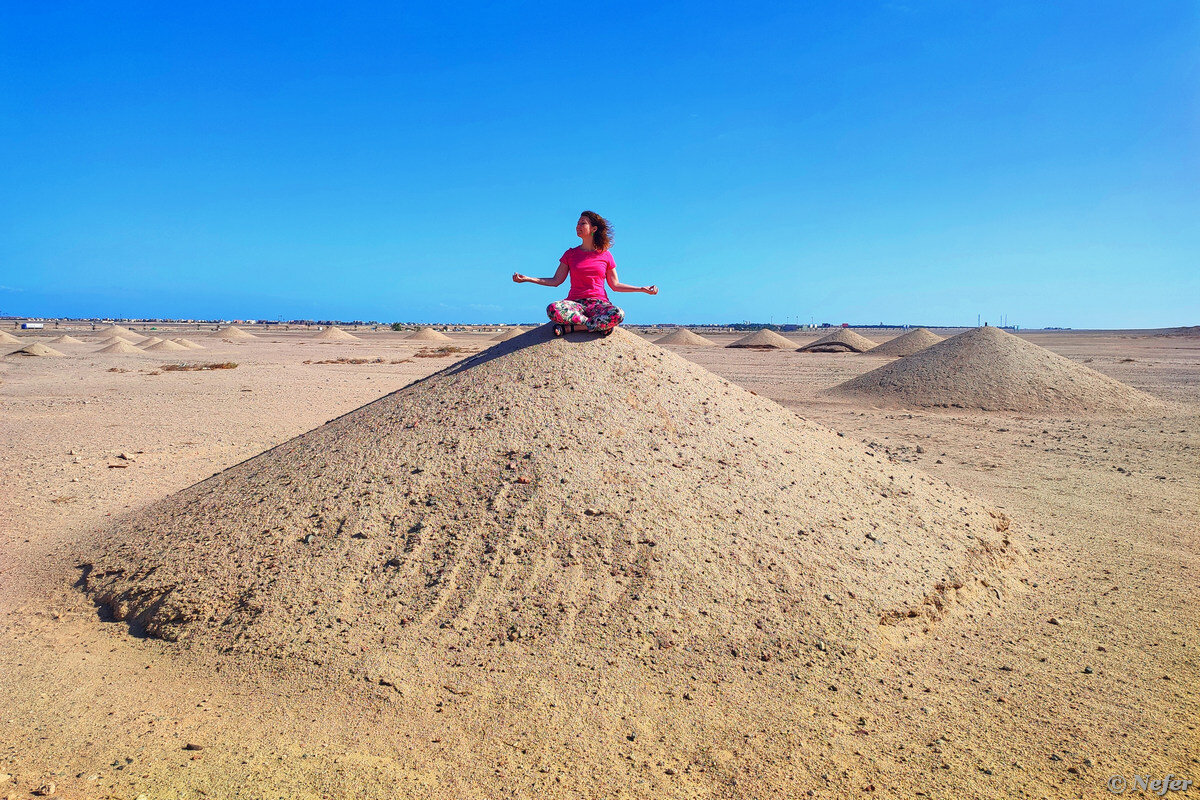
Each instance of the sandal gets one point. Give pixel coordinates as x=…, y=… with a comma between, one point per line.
x=559, y=330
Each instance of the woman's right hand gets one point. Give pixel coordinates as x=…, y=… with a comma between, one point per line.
x=519, y=278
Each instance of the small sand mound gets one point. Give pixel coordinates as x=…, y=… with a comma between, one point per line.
x=907, y=343
x=115, y=339
x=189, y=344
x=508, y=333
x=842, y=340
x=165, y=344
x=66, y=338
x=428, y=335
x=117, y=330
x=234, y=332
x=469, y=510
x=335, y=334
x=121, y=346
x=148, y=342
x=988, y=369
x=8, y=338
x=764, y=338
x=35, y=349
x=682, y=336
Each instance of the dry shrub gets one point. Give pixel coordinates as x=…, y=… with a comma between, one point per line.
x=117, y=369
x=440, y=352
x=198, y=367
x=348, y=361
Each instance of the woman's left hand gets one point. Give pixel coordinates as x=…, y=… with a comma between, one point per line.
x=651, y=290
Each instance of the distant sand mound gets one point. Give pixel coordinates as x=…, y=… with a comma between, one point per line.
x=165, y=345
x=121, y=346
x=234, y=332
x=189, y=344
x=764, y=338
x=148, y=342
x=988, y=369
x=428, y=335
x=334, y=334
x=35, y=349
x=508, y=333
x=8, y=338
x=114, y=339
x=66, y=338
x=908, y=343
x=117, y=330
x=469, y=510
x=682, y=336
x=842, y=340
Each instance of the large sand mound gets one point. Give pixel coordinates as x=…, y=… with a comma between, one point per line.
x=189, y=344
x=764, y=338
x=841, y=340
x=35, y=349
x=120, y=346
x=906, y=344
x=8, y=338
x=989, y=369
x=508, y=333
x=165, y=344
x=335, y=334
x=503, y=500
x=428, y=335
x=66, y=338
x=234, y=332
x=682, y=336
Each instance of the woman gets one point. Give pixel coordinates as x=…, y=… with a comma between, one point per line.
x=589, y=265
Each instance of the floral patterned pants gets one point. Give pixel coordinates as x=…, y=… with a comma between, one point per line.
x=597, y=315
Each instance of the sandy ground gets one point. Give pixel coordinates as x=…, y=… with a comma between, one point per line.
x=1087, y=670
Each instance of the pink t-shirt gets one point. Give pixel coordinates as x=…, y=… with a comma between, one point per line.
x=588, y=271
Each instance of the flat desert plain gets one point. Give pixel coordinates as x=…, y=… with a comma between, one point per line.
x=606, y=569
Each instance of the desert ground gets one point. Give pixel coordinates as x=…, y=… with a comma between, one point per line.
x=1064, y=655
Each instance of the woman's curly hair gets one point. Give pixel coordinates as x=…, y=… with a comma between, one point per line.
x=603, y=236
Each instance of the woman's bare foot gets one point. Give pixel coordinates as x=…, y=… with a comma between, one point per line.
x=560, y=329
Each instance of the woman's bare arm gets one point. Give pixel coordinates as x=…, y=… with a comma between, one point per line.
x=615, y=284
x=557, y=280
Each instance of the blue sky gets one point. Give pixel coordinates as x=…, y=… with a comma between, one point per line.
x=917, y=162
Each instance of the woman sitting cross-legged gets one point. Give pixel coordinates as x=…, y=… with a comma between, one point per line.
x=589, y=266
